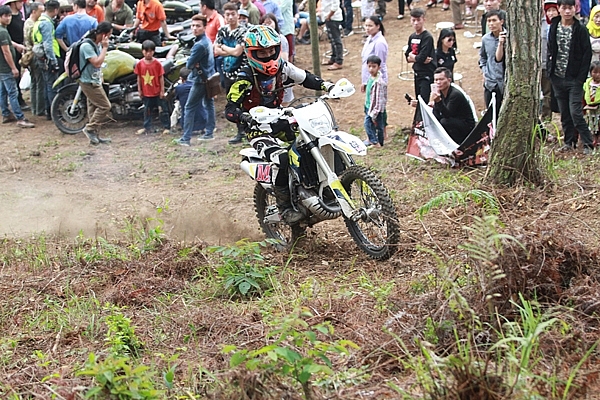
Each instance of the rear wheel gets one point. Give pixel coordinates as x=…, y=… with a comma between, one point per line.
x=69, y=118
x=271, y=223
x=376, y=230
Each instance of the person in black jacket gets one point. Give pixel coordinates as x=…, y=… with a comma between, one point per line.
x=569, y=56
x=451, y=107
x=421, y=53
x=445, y=52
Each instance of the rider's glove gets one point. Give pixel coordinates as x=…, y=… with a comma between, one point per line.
x=326, y=86
x=281, y=128
x=246, y=119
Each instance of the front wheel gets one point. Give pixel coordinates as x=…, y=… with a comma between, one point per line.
x=375, y=230
x=68, y=117
x=271, y=223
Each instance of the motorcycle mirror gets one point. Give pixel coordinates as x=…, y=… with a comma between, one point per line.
x=342, y=88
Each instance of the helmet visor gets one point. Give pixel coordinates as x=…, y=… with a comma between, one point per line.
x=265, y=55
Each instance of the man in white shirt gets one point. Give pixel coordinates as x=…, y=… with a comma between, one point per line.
x=331, y=13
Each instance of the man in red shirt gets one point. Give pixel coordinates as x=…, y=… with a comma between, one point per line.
x=150, y=17
x=214, y=20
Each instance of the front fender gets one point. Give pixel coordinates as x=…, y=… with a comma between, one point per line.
x=60, y=80
x=344, y=142
x=66, y=87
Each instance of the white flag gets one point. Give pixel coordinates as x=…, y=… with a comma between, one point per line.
x=439, y=140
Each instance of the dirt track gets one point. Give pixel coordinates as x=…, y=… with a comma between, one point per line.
x=56, y=183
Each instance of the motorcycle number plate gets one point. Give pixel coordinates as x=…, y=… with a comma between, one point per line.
x=263, y=173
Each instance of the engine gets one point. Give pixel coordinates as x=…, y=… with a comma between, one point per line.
x=124, y=99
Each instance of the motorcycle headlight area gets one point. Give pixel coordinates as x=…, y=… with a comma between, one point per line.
x=320, y=124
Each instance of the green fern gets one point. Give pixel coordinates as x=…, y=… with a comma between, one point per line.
x=485, y=243
x=455, y=198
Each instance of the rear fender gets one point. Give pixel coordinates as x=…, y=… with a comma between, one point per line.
x=344, y=142
x=250, y=153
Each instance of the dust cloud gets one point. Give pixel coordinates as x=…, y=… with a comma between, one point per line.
x=66, y=211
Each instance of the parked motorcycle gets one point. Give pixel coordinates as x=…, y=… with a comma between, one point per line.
x=69, y=107
x=182, y=47
x=324, y=181
x=178, y=11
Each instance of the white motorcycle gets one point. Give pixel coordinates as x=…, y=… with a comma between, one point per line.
x=324, y=181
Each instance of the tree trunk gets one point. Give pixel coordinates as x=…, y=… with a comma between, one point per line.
x=515, y=151
x=314, y=37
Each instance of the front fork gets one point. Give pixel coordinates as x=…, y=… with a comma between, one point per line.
x=76, y=99
x=346, y=203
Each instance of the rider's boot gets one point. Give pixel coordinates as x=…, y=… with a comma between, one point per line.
x=239, y=137
x=284, y=205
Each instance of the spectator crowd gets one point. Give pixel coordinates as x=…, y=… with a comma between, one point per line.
x=36, y=36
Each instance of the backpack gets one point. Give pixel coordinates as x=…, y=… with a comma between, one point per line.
x=72, y=67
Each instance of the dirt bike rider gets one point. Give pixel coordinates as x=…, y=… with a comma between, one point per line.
x=261, y=83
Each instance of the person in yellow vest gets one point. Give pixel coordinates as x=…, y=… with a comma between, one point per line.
x=48, y=50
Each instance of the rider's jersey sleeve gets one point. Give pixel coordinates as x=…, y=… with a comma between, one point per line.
x=235, y=98
x=302, y=77
x=240, y=88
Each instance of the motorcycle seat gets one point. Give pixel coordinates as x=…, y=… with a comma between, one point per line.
x=187, y=39
x=126, y=78
x=173, y=29
x=187, y=24
x=162, y=51
x=168, y=65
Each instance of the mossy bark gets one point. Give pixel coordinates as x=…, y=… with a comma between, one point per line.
x=514, y=156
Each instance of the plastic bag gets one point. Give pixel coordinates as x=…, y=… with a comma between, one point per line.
x=25, y=82
x=118, y=64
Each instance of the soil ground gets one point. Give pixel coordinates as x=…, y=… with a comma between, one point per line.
x=57, y=183
x=52, y=308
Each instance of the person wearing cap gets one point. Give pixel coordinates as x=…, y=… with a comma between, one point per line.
x=253, y=13
x=8, y=75
x=550, y=11
x=243, y=17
